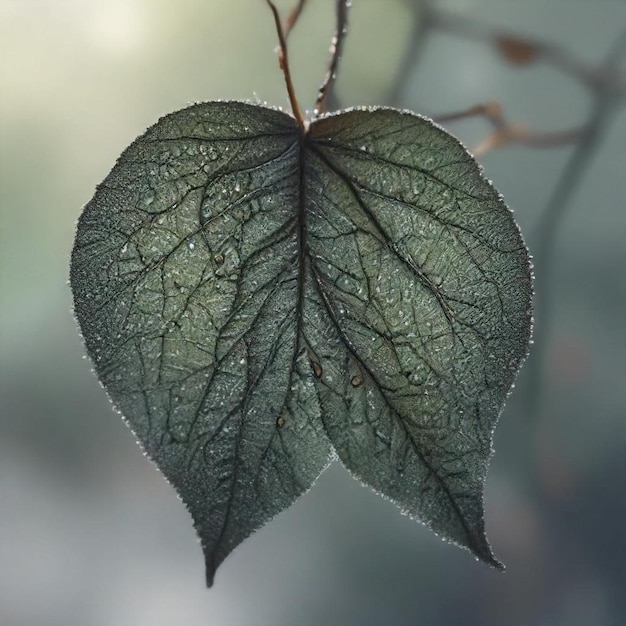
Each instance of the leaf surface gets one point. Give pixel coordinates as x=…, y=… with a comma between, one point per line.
x=419, y=269
x=255, y=299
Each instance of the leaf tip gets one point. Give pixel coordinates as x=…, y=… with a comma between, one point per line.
x=491, y=560
x=210, y=567
x=484, y=553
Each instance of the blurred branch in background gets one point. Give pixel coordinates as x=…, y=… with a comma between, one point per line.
x=607, y=85
x=292, y=19
x=520, y=50
x=505, y=132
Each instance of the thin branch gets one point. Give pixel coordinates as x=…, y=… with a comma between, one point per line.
x=606, y=103
x=416, y=42
x=283, y=61
x=485, y=110
x=292, y=18
x=521, y=50
x=515, y=133
x=505, y=132
x=607, y=84
x=336, y=50
x=547, y=230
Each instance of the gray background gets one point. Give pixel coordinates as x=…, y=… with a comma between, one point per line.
x=90, y=534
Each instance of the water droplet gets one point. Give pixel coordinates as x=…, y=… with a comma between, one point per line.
x=149, y=197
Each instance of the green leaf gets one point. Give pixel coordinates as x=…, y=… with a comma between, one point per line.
x=256, y=298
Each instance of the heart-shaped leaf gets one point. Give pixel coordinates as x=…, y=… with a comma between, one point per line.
x=256, y=297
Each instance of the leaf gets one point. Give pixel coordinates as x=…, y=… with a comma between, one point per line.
x=255, y=299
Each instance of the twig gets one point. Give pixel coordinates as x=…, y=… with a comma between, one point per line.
x=416, y=42
x=607, y=84
x=292, y=18
x=605, y=106
x=505, y=132
x=336, y=50
x=522, y=50
x=489, y=110
x=514, y=133
x=283, y=61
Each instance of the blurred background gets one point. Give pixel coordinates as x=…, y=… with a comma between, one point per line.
x=90, y=533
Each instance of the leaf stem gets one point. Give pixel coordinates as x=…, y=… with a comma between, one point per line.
x=336, y=50
x=283, y=61
x=292, y=18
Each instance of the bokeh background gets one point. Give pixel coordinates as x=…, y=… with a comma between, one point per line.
x=90, y=533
